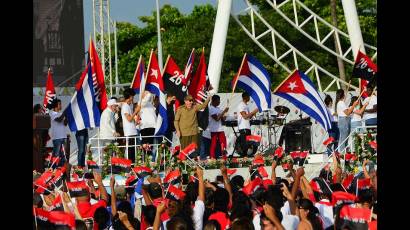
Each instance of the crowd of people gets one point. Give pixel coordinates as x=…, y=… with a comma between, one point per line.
x=332, y=200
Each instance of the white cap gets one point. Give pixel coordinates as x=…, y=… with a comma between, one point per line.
x=112, y=102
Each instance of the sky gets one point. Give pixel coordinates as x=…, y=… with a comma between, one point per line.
x=130, y=10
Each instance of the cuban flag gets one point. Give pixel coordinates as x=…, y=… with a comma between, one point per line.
x=83, y=111
x=254, y=79
x=155, y=85
x=299, y=90
x=137, y=83
x=189, y=67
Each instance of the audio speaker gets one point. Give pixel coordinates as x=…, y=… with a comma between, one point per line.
x=296, y=137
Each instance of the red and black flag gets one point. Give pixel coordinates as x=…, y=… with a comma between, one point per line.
x=339, y=198
x=328, y=141
x=354, y=217
x=365, y=69
x=175, y=193
x=350, y=158
x=173, y=80
x=254, y=138
x=363, y=184
x=187, y=151
x=57, y=204
x=295, y=155
x=78, y=188
x=142, y=171
x=286, y=167
x=262, y=172
x=230, y=172
x=278, y=153
x=258, y=161
x=131, y=180
x=92, y=164
x=347, y=181
x=62, y=218
x=58, y=177
x=266, y=183
x=302, y=157
x=252, y=186
x=173, y=177
x=41, y=184
x=120, y=165
x=42, y=218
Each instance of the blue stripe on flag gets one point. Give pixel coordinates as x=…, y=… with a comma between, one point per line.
x=95, y=108
x=162, y=123
x=70, y=118
x=256, y=63
x=304, y=108
x=83, y=107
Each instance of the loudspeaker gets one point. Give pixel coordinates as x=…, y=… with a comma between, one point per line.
x=296, y=136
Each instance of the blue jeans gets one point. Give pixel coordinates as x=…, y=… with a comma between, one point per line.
x=344, y=129
x=57, y=151
x=371, y=121
x=82, y=140
x=204, y=149
x=354, y=125
x=333, y=132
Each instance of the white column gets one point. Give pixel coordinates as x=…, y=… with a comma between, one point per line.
x=159, y=39
x=117, y=89
x=218, y=42
x=353, y=26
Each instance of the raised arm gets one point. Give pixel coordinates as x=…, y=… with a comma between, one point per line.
x=350, y=109
x=201, y=188
x=203, y=105
x=366, y=174
x=157, y=222
x=218, y=117
x=273, y=175
x=299, y=173
x=271, y=215
x=291, y=200
x=227, y=185
x=361, y=110
x=98, y=180
x=113, y=197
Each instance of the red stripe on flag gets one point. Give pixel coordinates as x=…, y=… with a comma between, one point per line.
x=175, y=193
x=62, y=218
x=171, y=176
x=328, y=141
x=254, y=138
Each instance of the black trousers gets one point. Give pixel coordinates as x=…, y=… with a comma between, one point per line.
x=243, y=144
x=131, y=148
x=147, y=132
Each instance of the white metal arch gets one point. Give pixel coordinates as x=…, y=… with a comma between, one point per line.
x=319, y=71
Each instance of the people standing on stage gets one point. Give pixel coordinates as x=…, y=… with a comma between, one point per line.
x=107, y=122
x=334, y=131
x=216, y=116
x=58, y=129
x=244, y=126
x=148, y=119
x=81, y=137
x=356, y=120
x=370, y=114
x=170, y=117
x=186, y=122
x=128, y=115
x=343, y=115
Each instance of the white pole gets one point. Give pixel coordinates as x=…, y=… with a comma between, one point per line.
x=109, y=43
x=353, y=26
x=102, y=37
x=218, y=42
x=117, y=89
x=159, y=38
x=93, y=21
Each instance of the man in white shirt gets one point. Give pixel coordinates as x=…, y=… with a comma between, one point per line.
x=58, y=129
x=244, y=126
x=216, y=115
x=127, y=114
x=370, y=114
x=107, y=122
x=148, y=119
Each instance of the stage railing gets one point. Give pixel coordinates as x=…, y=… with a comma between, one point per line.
x=103, y=142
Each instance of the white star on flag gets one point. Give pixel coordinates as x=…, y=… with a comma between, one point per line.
x=292, y=85
x=154, y=73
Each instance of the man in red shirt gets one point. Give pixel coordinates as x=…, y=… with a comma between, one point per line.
x=84, y=206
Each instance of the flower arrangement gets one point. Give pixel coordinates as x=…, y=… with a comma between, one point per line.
x=362, y=150
x=111, y=150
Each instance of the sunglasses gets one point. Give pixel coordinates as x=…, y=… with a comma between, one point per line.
x=191, y=100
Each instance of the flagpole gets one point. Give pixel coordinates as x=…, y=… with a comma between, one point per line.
x=136, y=70
x=146, y=76
x=185, y=76
x=237, y=76
x=35, y=217
x=165, y=66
